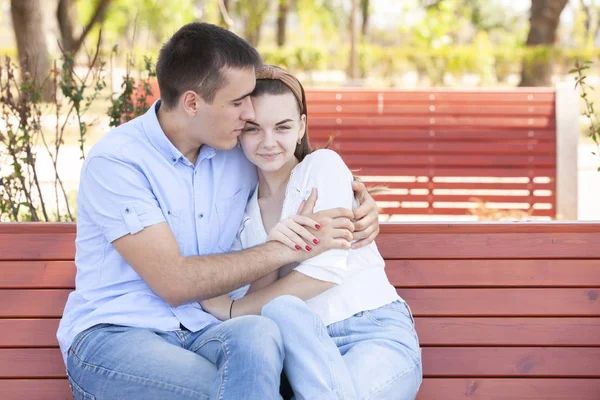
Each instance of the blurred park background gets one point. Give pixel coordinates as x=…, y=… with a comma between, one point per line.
x=72, y=69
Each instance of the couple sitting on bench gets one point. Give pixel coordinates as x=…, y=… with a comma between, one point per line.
x=215, y=249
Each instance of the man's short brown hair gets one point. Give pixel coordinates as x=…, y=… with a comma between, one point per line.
x=194, y=59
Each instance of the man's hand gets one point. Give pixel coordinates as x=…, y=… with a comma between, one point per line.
x=366, y=217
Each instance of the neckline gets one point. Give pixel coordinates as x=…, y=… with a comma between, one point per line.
x=258, y=215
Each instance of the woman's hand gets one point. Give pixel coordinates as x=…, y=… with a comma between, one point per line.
x=293, y=232
x=366, y=217
x=218, y=306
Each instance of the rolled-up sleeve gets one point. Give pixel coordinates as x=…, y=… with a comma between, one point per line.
x=118, y=197
x=333, y=181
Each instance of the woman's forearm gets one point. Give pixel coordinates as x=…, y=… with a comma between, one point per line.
x=295, y=284
x=263, y=282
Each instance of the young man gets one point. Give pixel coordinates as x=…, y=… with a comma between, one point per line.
x=160, y=201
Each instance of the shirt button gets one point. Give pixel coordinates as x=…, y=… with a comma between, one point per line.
x=200, y=215
x=173, y=159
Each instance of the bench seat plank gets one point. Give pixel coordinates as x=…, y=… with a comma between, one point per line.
x=431, y=389
x=35, y=389
x=437, y=362
x=508, y=331
x=511, y=361
x=433, y=331
x=576, y=302
x=491, y=245
x=503, y=302
x=493, y=273
x=37, y=274
x=513, y=389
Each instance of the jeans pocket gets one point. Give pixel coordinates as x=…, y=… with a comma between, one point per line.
x=78, y=392
x=81, y=336
x=398, y=318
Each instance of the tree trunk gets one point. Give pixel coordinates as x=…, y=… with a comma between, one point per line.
x=545, y=16
x=282, y=14
x=65, y=14
x=364, y=5
x=225, y=20
x=31, y=42
x=353, y=62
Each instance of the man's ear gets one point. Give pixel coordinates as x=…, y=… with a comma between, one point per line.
x=191, y=102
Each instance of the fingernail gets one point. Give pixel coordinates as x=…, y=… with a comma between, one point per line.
x=316, y=241
x=318, y=226
x=298, y=247
x=307, y=248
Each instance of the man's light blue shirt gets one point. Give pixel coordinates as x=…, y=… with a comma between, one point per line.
x=133, y=178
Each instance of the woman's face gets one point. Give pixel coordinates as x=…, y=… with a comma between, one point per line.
x=270, y=140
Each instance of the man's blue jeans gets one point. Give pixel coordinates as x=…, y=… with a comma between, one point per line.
x=372, y=355
x=237, y=359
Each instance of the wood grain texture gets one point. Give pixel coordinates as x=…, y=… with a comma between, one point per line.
x=437, y=362
x=37, y=274
x=494, y=273
x=509, y=389
x=431, y=389
x=35, y=389
x=546, y=302
x=554, y=362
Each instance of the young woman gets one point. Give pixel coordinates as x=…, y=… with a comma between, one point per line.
x=346, y=332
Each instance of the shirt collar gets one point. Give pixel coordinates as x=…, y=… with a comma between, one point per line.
x=159, y=140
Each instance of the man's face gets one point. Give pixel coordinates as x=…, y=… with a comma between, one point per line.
x=220, y=123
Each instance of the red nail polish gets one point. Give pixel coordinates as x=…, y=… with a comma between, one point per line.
x=307, y=248
x=318, y=226
x=297, y=247
x=316, y=241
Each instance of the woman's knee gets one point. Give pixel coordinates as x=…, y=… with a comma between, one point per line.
x=284, y=307
x=260, y=335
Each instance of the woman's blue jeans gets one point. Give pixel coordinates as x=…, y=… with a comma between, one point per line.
x=371, y=355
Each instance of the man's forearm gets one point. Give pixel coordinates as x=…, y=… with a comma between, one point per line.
x=204, y=277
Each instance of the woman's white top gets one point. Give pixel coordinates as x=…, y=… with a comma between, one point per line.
x=361, y=282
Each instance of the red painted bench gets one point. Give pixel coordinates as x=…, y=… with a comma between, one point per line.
x=445, y=152
x=503, y=310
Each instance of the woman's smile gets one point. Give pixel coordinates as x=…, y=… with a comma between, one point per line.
x=269, y=156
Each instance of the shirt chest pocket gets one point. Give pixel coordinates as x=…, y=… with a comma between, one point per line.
x=230, y=212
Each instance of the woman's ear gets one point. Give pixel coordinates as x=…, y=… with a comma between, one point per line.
x=302, y=130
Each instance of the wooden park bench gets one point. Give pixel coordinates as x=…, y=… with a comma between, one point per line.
x=505, y=311
x=450, y=152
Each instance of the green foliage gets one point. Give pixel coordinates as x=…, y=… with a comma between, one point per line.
x=158, y=17
x=132, y=101
x=491, y=64
x=589, y=111
x=24, y=133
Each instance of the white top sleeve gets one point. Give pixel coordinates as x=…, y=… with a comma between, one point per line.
x=325, y=170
